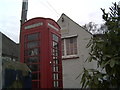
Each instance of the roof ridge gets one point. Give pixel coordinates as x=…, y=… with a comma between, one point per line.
x=74, y=22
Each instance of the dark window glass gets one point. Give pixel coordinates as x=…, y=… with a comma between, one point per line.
x=71, y=46
x=31, y=60
x=36, y=84
x=33, y=67
x=34, y=76
x=33, y=36
x=55, y=45
x=32, y=44
x=56, y=84
x=55, y=37
x=32, y=52
x=55, y=52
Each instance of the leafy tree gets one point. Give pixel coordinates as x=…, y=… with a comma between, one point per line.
x=106, y=52
x=91, y=27
x=95, y=28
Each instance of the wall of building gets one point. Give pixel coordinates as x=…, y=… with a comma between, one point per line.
x=0, y=73
x=9, y=48
x=0, y=60
x=73, y=67
x=0, y=44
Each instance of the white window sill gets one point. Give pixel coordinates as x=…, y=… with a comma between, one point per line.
x=70, y=57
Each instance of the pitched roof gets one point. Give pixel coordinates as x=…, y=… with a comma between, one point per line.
x=74, y=22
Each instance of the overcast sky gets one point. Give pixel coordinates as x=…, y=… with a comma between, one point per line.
x=81, y=11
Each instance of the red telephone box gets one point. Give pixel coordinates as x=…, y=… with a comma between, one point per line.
x=40, y=49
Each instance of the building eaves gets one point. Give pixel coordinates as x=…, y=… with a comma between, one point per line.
x=75, y=23
x=8, y=38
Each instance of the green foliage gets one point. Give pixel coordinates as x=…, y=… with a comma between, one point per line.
x=105, y=50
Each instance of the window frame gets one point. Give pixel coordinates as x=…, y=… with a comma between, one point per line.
x=65, y=48
x=30, y=39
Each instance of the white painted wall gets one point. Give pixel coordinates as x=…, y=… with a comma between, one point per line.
x=73, y=67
